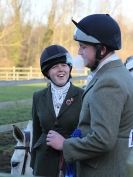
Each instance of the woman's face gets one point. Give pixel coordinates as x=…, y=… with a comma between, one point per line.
x=59, y=74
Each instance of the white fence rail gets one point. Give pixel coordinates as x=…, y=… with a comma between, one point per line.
x=18, y=73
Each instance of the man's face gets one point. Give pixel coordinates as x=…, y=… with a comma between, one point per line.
x=88, y=53
x=59, y=74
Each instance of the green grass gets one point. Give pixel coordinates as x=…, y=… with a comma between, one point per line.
x=20, y=92
x=16, y=113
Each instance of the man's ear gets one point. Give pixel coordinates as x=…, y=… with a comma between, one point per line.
x=103, y=50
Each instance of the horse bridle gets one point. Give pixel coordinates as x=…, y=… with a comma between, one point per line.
x=26, y=148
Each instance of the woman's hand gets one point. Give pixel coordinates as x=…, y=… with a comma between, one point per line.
x=55, y=140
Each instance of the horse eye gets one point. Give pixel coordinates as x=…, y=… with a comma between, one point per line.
x=14, y=164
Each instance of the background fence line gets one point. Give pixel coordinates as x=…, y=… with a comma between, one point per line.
x=27, y=73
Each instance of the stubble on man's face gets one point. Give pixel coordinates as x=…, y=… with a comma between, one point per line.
x=89, y=58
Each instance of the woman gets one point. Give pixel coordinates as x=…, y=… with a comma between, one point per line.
x=56, y=107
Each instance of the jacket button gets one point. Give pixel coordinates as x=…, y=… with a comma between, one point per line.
x=56, y=123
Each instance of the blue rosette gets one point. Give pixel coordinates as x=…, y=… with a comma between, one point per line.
x=70, y=167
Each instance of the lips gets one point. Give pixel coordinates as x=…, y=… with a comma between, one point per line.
x=60, y=75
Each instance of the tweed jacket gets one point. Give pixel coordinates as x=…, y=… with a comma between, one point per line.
x=44, y=159
x=106, y=119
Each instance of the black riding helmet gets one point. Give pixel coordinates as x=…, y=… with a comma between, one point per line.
x=53, y=55
x=99, y=30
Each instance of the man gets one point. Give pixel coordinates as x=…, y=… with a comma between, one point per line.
x=106, y=116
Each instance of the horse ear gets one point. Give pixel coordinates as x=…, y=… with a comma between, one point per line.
x=17, y=133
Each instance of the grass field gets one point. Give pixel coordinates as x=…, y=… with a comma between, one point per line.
x=17, y=100
x=20, y=92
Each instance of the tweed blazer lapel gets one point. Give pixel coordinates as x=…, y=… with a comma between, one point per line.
x=68, y=100
x=89, y=86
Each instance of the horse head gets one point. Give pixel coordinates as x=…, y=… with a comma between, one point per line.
x=20, y=161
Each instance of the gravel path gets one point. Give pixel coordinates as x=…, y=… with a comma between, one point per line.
x=11, y=83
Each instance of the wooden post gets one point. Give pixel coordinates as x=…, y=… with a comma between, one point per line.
x=13, y=72
x=31, y=69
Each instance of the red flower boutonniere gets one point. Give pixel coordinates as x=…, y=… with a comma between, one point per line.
x=69, y=101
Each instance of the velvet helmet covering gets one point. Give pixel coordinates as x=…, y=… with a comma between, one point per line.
x=99, y=29
x=53, y=55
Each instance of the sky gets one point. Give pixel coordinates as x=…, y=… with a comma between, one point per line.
x=128, y=8
x=123, y=6
x=39, y=8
